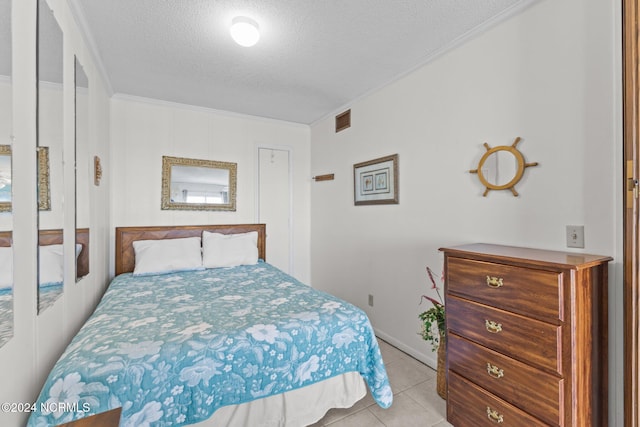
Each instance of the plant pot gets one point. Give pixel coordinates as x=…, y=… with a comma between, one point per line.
x=441, y=373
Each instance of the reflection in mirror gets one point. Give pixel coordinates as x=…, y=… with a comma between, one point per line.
x=50, y=138
x=6, y=286
x=500, y=167
x=6, y=219
x=82, y=171
x=191, y=184
x=50, y=267
x=5, y=178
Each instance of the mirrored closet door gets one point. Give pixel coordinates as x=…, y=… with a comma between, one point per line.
x=50, y=160
x=6, y=219
x=82, y=170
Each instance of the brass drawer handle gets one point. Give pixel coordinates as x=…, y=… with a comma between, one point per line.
x=494, y=282
x=492, y=326
x=494, y=371
x=494, y=416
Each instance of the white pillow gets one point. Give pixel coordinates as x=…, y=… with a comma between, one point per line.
x=229, y=250
x=6, y=267
x=167, y=256
x=51, y=264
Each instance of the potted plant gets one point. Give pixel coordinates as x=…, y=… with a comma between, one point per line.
x=434, y=331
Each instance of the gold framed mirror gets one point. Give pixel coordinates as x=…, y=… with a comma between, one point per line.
x=198, y=185
x=501, y=167
x=44, y=198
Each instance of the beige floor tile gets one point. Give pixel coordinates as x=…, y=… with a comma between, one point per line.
x=363, y=418
x=407, y=373
x=339, y=413
x=443, y=423
x=416, y=402
x=405, y=412
x=427, y=396
x=390, y=354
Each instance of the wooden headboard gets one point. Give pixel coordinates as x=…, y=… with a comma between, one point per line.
x=5, y=238
x=125, y=236
x=54, y=237
x=82, y=237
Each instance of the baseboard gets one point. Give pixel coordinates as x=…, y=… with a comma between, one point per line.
x=430, y=359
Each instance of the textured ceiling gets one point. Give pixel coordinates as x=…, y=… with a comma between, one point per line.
x=314, y=56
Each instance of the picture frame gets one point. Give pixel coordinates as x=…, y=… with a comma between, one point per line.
x=375, y=182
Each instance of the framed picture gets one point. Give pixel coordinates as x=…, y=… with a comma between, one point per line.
x=376, y=182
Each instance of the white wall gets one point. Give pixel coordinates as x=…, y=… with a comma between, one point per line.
x=550, y=75
x=144, y=130
x=40, y=339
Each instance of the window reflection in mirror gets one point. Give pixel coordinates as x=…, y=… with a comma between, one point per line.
x=5, y=177
x=193, y=184
x=82, y=170
x=6, y=218
x=199, y=185
x=50, y=138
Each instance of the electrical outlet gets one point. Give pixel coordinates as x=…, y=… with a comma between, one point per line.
x=370, y=300
x=575, y=236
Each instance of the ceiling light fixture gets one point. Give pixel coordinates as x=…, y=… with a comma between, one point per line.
x=244, y=31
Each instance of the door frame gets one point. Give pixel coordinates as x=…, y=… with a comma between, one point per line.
x=289, y=149
x=631, y=144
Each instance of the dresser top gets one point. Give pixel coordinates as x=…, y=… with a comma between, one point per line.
x=489, y=252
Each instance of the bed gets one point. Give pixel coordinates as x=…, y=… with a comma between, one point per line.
x=216, y=344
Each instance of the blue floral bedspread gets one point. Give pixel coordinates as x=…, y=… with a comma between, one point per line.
x=6, y=315
x=48, y=294
x=171, y=349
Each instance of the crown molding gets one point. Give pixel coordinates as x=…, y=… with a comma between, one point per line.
x=197, y=108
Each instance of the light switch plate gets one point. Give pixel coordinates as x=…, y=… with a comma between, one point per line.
x=575, y=236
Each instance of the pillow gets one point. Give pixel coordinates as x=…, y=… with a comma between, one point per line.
x=6, y=267
x=51, y=264
x=167, y=256
x=229, y=250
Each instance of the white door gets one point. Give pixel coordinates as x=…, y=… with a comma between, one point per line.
x=274, y=192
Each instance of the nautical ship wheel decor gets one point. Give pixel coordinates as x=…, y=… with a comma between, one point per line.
x=493, y=154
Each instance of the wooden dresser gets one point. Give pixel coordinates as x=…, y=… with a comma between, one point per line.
x=527, y=337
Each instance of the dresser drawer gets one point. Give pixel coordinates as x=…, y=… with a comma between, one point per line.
x=528, y=340
x=533, y=293
x=470, y=406
x=531, y=389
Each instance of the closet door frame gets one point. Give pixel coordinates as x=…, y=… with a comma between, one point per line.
x=290, y=189
x=631, y=95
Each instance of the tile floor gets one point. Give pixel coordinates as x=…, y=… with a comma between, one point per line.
x=415, y=400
